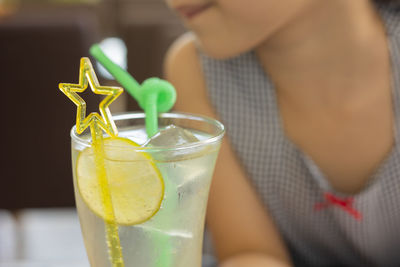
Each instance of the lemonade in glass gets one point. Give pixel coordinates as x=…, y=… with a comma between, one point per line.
x=158, y=187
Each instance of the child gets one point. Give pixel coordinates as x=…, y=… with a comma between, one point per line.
x=309, y=92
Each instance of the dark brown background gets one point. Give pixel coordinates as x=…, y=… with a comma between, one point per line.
x=40, y=46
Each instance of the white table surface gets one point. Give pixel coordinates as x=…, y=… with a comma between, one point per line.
x=46, y=238
x=41, y=238
x=42, y=264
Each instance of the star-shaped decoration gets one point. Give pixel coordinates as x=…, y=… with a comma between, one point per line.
x=88, y=76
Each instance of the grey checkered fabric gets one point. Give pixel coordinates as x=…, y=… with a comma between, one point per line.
x=321, y=227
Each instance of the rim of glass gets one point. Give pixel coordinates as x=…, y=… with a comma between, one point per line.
x=175, y=115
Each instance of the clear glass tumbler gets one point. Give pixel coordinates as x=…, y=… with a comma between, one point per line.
x=173, y=236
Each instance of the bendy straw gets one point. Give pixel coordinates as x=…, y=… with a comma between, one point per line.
x=154, y=95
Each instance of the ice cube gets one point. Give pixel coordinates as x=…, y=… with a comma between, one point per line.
x=171, y=136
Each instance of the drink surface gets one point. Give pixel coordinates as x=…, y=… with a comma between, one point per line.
x=173, y=236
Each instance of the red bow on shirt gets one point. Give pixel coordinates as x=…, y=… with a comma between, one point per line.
x=344, y=203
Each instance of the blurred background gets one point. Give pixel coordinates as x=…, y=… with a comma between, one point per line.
x=41, y=43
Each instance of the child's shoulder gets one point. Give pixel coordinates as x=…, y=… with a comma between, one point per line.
x=182, y=67
x=181, y=55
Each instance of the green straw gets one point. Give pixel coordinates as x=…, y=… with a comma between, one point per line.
x=154, y=95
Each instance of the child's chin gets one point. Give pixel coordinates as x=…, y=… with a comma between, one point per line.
x=220, y=51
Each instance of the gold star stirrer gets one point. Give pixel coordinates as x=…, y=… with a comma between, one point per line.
x=97, y=123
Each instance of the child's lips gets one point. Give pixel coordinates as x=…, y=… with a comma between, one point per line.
x=190, y=11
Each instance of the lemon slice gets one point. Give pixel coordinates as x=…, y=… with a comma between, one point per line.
x=135, y=184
